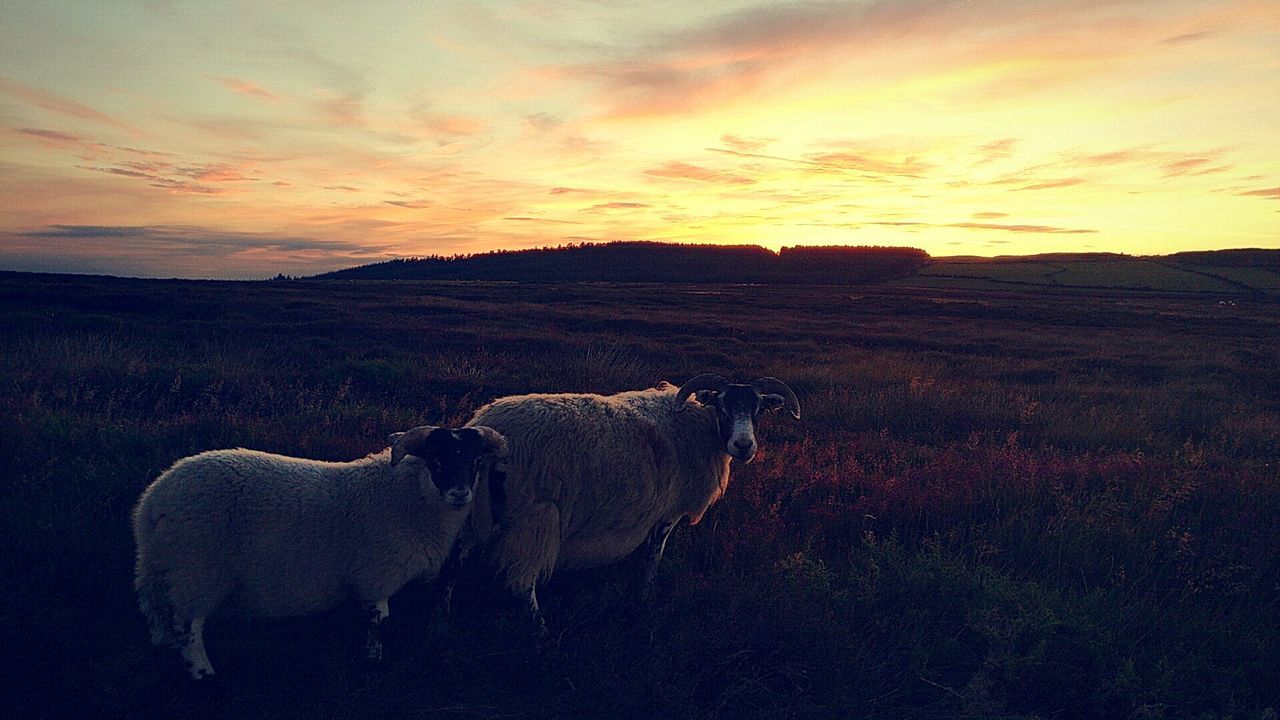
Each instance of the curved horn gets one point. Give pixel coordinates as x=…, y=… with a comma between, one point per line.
x=409, y=442
x=495, y=443
x=774, y=385
x=705, y=381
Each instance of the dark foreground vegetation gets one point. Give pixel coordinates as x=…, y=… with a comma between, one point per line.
x=999, y=504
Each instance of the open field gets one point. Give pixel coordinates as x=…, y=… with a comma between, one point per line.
x=1000, y=502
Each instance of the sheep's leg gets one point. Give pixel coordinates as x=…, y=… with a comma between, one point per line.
x=191, y=646
x=653, y=556
x=449, y=573
x=378, y=612
x=527, y=552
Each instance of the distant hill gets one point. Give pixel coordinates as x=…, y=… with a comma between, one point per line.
x=656, y=262
x=1242, y=258
x=1251, y=272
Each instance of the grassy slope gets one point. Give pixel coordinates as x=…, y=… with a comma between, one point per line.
x=999, y=504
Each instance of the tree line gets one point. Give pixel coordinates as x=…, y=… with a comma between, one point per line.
x=638, y=261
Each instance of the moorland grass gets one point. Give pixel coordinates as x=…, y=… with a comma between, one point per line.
x=998, y=504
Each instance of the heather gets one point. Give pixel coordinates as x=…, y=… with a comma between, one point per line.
x=998, y=503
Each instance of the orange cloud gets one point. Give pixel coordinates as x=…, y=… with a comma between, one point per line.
x=451, y=124
x=1273, y=193
x=862, y=163
x=745, y=144
x=617, y=206
x=244, y=87
x=997, y=150
x=50, y=138
x=540, y=220
x=1049, y=229
x=1050, y=184
x=54, y=103
x=685, y=171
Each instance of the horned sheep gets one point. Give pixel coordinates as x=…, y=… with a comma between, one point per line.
x=591, y=478
x=267, y=535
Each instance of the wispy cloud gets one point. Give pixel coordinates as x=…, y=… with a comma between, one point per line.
x=192, y=178
x=736, y=54
x=1043, y=229
x=245, y=87
x=996, y=150
x=911, y=167
x=521, y=218
x=57, y=104
x=745, y=144
x=50, y=138
x=182, y=250
x=685, y=171
x=1194, y=166
x=1190, y=37
x=1052, y=184
x=617, y=206
x=1273, y=193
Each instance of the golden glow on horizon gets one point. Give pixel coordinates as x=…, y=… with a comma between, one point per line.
x=173, y=139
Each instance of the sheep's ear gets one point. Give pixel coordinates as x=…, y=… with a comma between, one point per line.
x=410, y=442
x=495, y=444
x=771, y=402
x=393, y=438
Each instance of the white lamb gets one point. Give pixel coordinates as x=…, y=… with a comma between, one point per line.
x=273, y=536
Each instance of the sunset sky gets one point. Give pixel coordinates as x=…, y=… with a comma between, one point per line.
x=243, y=139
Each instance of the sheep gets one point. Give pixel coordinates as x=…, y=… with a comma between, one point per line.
x=591, y=478
x=273, y=536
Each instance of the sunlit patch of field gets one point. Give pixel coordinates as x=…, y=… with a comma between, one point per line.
x=1000, y=503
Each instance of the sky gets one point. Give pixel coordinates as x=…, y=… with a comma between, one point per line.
x=244, y=139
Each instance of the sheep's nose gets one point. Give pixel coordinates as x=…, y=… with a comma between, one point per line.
x=743, y=445
x=458, y=496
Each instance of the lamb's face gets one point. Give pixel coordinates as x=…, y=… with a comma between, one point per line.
x=737, y=407
x=452, y=460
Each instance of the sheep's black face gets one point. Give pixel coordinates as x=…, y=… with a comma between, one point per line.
x=455, y=459
x=737, y=407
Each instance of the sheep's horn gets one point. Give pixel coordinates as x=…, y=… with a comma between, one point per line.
x=774, y=385
x=410, y=442
x=495, y=443
x=705, y=381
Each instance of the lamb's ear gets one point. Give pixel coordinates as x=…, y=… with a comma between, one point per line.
x=393, y=438
x=495, y=445
x=410, y=442
x=771, y=402
x=706, y=397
